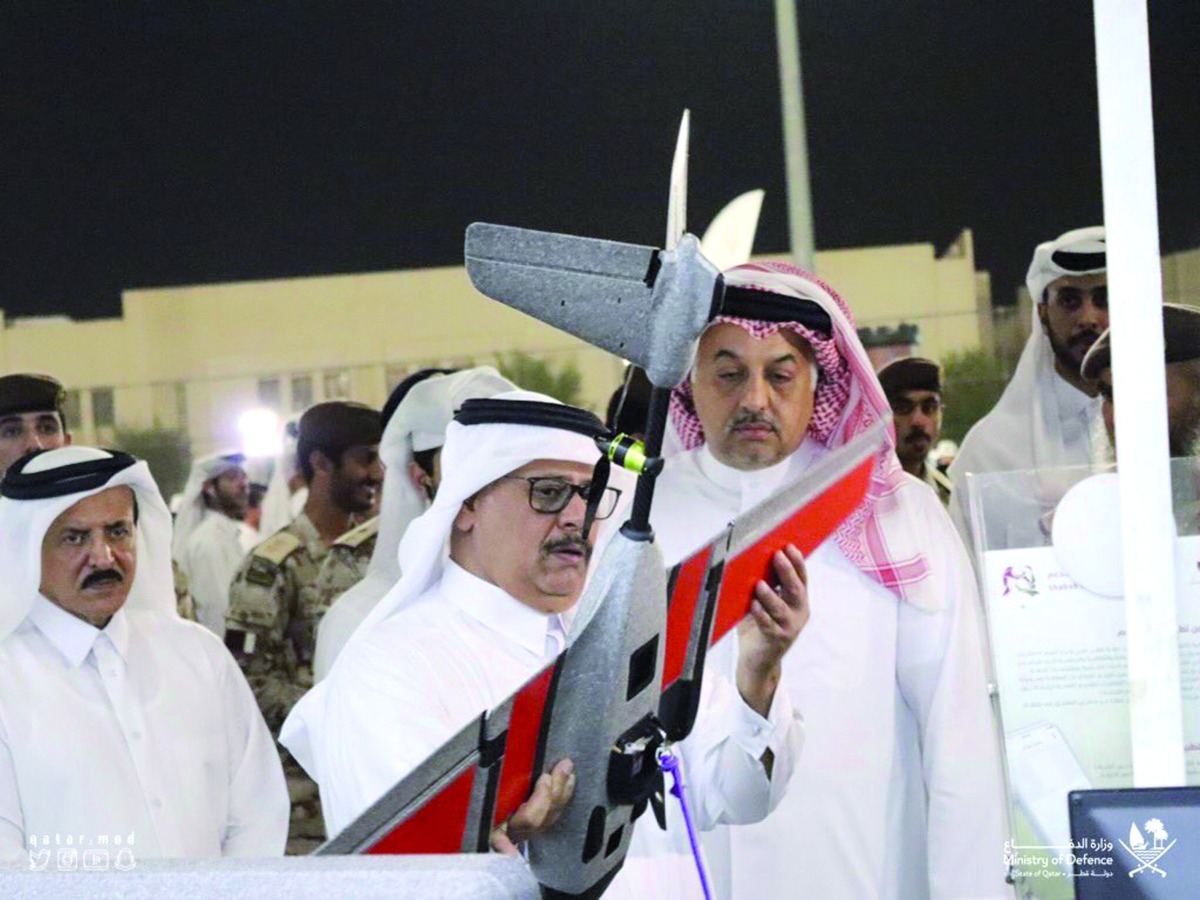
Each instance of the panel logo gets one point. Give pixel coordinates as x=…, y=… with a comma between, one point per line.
x=1148, y=852
x=1020, y=581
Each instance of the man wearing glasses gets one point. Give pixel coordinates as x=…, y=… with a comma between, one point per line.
x=463, y=630
x=914, y=389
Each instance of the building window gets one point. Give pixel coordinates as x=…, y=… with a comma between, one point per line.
x=73, y=411
x=302, y=392
x=337, y=384
x=268, y=393
x=104, y=414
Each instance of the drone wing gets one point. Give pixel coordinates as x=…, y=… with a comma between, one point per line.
x=451, y=802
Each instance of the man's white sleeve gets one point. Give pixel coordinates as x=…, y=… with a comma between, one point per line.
x=722, y=757
x=941, y=669
x=259, y=808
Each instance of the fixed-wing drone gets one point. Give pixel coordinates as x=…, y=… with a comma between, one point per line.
x=629, y=680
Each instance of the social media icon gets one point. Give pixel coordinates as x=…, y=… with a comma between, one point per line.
x=95, y=860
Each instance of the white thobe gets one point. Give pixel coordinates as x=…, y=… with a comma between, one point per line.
x=896, y=711
x=210, y=560
x=466, y=646
x=145, y=729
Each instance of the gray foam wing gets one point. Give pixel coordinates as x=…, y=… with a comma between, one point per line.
x=644, y=305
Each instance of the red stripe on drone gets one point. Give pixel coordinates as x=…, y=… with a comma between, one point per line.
x=521, y=744
x=806, y=528
x=437, y=827
x=681, y=612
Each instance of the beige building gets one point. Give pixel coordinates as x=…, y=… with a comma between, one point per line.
x=196, y=358
x=1181, y=277
x=942, y=294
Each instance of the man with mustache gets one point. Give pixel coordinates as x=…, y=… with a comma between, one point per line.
x=913, y=387
x=1049, y=415
x=462, y=631
x=273, y=605
x=118, y=720
x=898, y=795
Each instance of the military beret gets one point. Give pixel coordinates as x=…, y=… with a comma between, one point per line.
x=913, y=373
x=25, y=393
x=1181, y=341
x=336, y=426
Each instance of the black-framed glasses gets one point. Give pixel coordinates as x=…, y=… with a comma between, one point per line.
x=549, y=494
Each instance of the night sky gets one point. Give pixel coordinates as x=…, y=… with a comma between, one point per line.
x=148, y=144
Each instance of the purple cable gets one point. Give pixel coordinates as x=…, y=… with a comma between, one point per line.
x=670, y=764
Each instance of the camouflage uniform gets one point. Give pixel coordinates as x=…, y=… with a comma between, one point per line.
x=271, y=629
x=346, y=564
x=184, y=604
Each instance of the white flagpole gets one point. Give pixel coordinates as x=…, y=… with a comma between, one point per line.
x=795, y=135
x=1135, y=315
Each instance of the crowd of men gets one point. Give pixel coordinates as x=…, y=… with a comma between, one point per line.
x=415, y=565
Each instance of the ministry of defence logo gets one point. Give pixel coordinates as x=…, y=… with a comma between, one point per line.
x=1020, y=580
x=1148, y=852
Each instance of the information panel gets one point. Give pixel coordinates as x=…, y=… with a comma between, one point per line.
x=1059, y=662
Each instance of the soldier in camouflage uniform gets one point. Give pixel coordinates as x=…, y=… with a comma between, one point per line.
x=346, y=564
x=273, y=602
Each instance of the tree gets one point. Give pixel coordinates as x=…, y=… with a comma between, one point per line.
x=1155, y=827
x=533, y=374
x=166, y=451
x=972, y=382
